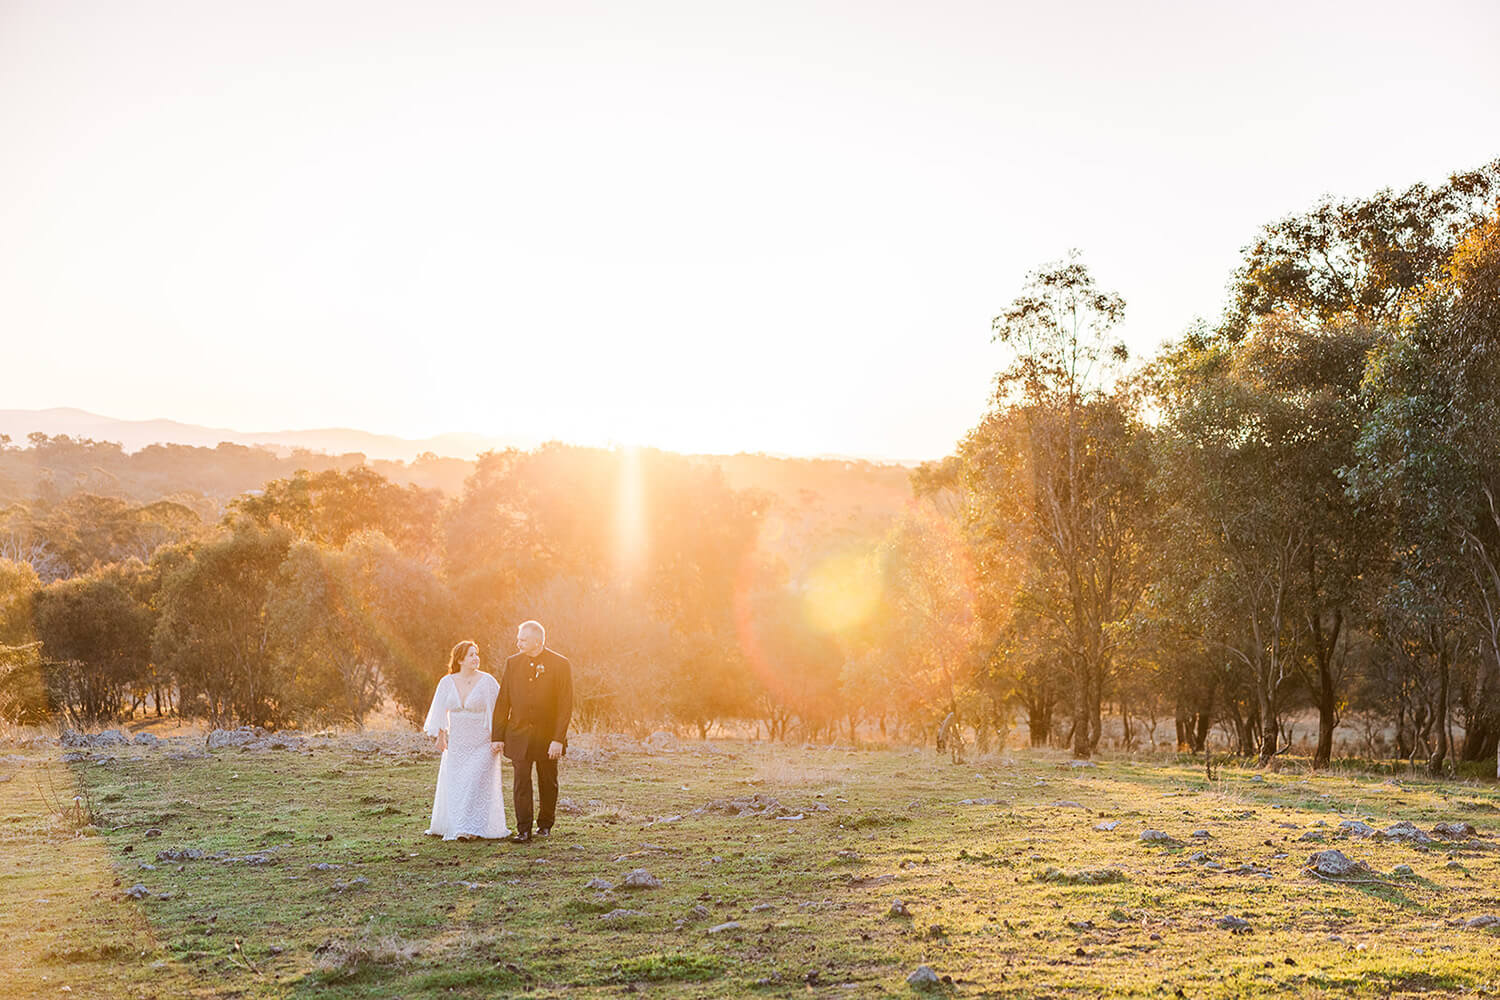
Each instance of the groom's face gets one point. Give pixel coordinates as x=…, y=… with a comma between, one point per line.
x=528, y=641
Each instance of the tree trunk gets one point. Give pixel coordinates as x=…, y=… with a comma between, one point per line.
x=1082, y=748
x=1270, y=723
x=1038, y=720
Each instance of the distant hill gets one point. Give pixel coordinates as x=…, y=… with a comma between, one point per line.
x=133, y=435
x=146, y=459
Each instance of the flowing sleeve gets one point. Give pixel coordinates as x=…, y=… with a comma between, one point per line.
x=437, y=715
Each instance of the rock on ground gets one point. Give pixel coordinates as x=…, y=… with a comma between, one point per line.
x=640, y=878
x=1335, y=864
x=923, y=977
x=1088, y=876
x=1406, y=832
x=622, y=914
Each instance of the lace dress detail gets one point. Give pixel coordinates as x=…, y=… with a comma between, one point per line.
x=470, y=798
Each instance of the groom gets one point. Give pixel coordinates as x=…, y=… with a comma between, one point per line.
x=530, y=725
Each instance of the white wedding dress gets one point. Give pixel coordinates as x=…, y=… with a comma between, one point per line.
x=470, y=798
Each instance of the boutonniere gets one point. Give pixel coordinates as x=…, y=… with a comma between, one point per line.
x=537, y=670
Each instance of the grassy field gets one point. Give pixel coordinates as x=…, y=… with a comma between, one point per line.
x=991, y=859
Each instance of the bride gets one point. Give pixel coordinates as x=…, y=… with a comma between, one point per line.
x=470, y=799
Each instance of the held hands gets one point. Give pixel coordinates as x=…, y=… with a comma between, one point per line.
x=442, y=742
x=554, y=750
x=497, y=747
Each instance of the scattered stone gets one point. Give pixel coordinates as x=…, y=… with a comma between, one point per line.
x=1081, y=925
x=603, y=885
x=923, y=978
x=979, y=802
x=936, y=931
x=1334, y=864
x=1233, y=924
x=254, y=738
x=138, y=891
x=1081, y=763
x=698, y=912
x=1454, y=831
x=147, y=740
x=147, y=867
x=1200, y=835
x=1066, y=804
x=1483, y=921
x=324, y=866
x=1096, y=876
x=640, y=878
x=1258, y=778
x=1107, y=825
x=622, y=914
x=1313, y=836
x=220, y=738
x=898, y=909
x=660, y=740
x=742, y=806
x=762, y=907
x=354, y=883
x=1200, y=858
x=1354, y=828
x=108, y=738
x=1157, y=837
x=180, y=854
x=1406, y=832
x=1458, y=865
x=1403, y=871
x=153, y=832
x=728, y=925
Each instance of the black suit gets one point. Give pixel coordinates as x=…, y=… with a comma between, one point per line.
x=532, y=712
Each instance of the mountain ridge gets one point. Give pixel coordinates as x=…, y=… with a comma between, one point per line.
x=134, y=435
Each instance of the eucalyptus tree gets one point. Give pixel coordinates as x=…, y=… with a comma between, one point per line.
x=1431, y=452
x=1060, y=464
x=1365, y=259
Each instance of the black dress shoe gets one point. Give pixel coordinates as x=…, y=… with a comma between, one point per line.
x=520, y=837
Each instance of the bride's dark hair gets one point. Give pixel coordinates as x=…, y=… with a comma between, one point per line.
x=459, y=652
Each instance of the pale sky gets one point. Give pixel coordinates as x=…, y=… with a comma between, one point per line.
x=703, y=226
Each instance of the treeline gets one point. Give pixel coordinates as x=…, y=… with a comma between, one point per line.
x=1288, y=513
x=318, y=596
x=1293, y=510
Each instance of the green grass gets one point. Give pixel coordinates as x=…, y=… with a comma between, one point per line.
x=486, y=919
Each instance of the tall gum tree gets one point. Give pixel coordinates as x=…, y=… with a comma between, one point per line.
x=1431, y=451
x=1077, y=492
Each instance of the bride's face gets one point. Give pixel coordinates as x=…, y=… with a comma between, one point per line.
x=471, y=659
